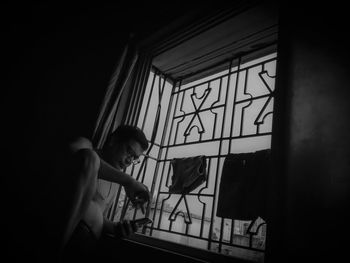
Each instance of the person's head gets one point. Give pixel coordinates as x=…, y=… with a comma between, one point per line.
x=124, y=146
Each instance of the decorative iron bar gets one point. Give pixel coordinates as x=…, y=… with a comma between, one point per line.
x=217, y=113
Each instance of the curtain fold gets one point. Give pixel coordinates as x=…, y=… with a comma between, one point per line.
x=143, y=69
x=120, y=79
x=106, y=120
x=123, y=97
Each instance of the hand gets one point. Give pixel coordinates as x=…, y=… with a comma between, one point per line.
x=124, y=229
x=138, y=194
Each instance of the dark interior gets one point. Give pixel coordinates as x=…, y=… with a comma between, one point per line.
x=60, y=57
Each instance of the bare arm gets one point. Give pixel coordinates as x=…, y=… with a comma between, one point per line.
x=106, y=172
x=109, y=173
x=136, y=191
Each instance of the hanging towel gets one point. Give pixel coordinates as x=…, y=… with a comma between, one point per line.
x=242, y=192
x=188, y=174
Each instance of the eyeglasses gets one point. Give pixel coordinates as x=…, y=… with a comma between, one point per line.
x=132, y=155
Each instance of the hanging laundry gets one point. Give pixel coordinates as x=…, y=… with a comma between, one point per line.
x=243, y=186
x=188, y=174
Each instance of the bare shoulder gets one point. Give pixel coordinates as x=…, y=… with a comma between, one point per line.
x=80, y=143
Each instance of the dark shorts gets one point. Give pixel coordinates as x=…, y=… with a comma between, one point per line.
x=83, y=245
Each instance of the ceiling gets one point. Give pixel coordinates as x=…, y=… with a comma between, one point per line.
x=248, y=30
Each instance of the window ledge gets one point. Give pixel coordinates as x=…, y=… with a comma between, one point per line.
x=198, y=254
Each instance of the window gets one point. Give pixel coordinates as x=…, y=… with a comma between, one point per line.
x=210, y=105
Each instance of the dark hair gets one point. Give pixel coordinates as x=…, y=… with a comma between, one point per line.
x=125, y=133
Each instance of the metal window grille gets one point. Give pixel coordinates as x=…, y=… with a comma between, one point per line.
x=229, y=112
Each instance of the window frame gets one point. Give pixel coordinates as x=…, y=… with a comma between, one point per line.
x=159, y=243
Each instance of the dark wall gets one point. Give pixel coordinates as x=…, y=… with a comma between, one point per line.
x=312, y=200
x=59, y=58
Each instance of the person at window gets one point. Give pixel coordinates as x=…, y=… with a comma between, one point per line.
x=85, y=221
